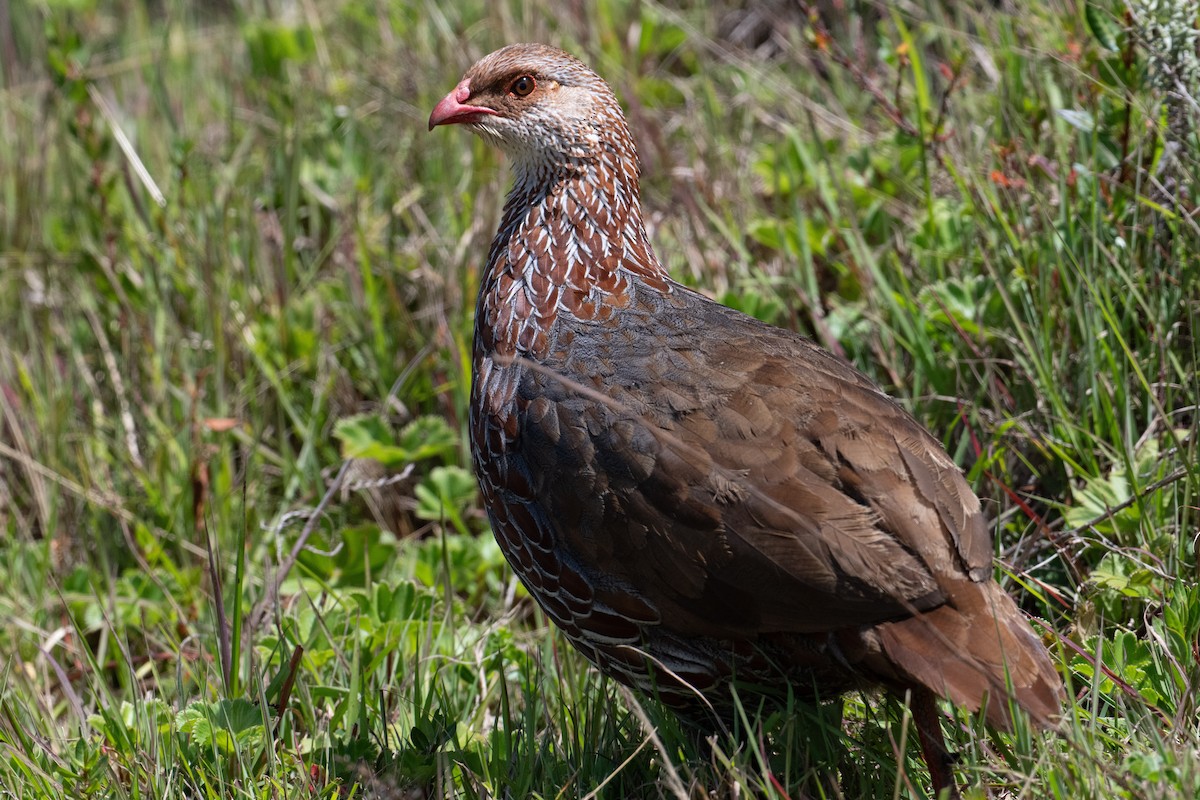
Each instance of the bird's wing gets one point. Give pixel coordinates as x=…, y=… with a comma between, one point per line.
x=752, y=481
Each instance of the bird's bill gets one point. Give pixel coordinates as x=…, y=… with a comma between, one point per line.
x=453, y=111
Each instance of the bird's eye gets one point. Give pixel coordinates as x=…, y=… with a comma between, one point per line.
x=523, y=86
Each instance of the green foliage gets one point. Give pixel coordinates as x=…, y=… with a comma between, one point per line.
x=368, y=437
x=360, y=552
x=1113, y=504
x=446, y=494
x=223, y=729
x=1102, y=25
x=271, y=46
x=988, y=212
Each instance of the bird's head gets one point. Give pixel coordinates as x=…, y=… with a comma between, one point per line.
x=544, y=108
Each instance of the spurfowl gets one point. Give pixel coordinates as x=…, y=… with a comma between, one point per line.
x=694, y=497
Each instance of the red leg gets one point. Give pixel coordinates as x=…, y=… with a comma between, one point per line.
x=933, y=746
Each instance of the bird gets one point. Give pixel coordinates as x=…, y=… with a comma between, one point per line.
x=699, y=501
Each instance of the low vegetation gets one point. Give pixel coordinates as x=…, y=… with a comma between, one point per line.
x=242, y=552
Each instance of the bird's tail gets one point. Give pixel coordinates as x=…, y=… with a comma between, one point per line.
x=976, y=651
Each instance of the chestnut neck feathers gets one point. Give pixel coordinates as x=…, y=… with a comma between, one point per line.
x=571, y=238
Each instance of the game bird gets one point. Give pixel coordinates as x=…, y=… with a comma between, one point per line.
x=699, y=500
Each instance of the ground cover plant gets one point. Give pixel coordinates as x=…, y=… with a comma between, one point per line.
x=242, y=554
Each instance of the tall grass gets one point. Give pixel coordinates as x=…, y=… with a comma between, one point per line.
x=242, y=553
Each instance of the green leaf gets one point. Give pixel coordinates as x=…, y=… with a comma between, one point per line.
x=753, y=302
x=1102, y=26
x=272, y=44
x=444, y=494
x=369, y=436
x=428, y=437
x=1121, y=575
x=347, y=555
x=957, y=301
x=1078, y=119
x=227, y=725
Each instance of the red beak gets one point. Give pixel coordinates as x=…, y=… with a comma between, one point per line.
x=452, y=110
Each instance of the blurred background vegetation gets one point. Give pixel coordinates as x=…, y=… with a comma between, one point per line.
x=242, y=551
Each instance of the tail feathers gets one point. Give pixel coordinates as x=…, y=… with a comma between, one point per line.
x=977, y=649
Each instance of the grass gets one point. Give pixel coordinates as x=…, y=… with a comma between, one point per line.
x=242, y=553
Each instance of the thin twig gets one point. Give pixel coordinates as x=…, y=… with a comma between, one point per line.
x=272, y=596
x=1174, y=477
x=224, y=649
x=1127, y=128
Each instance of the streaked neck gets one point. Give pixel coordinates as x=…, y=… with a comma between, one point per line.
x=571, y=239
